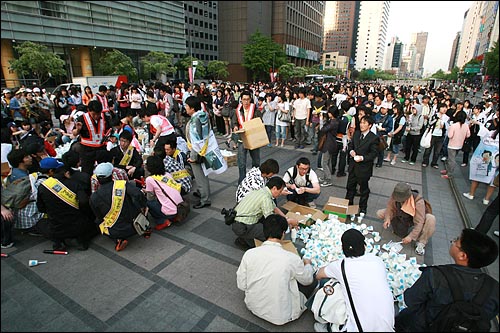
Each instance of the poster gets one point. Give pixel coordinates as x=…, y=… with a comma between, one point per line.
x=485, y=160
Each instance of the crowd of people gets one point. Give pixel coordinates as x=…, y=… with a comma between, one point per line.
x=145, y=149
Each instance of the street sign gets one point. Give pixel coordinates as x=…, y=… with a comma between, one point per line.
x=195, y=63
x=470, y=70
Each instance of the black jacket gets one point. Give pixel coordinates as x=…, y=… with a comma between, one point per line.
x=366, y=148
x=330, y=130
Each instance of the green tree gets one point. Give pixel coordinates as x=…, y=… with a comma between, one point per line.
x=187, y=61
x=36, y=59
x=491, y=61
x=287, y=71
x=440, y=74
x=158, y=63
x=116, y=63
x=261, y=53
x=218, y=69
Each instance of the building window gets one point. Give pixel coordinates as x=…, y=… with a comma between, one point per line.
x=49, y=8
x=195, y=10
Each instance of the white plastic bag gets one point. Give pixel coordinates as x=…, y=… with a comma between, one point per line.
x=425, y=141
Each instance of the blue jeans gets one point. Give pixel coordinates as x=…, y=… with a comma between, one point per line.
x=242, y=160
x=155, y=210
x=280, y=132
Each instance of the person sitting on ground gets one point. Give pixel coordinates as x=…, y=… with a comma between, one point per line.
x=303, y=182
x=256, y=178
x=126, y=157
x=270, y=276
x=20, y=161
x=367, y=278
x=71, y=160
x=428, y=296
x=103, y=156
x=66, y=209
x=163, y=193
x=176, y=164
x=116, y=204
x=410, y=219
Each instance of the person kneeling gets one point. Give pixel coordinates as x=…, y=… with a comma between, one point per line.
x=270, y=276
x=406, y=210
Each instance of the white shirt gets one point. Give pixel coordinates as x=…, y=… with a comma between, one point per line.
x=300, y=181
x=367, y=278
x=302, y=107
x=268, y=275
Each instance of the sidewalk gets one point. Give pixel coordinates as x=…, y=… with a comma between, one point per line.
x=184, y=277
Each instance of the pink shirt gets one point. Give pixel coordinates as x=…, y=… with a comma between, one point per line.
x=167, y=206
x=457, y=133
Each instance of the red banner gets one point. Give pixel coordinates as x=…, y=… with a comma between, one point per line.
x=190, y=71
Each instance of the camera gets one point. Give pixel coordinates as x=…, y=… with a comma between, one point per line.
x=229, y=215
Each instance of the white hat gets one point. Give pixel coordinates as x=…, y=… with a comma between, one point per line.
x=6, y=91
x=104, y=169
x=36, y=89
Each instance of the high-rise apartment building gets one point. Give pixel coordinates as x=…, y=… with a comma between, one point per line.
x=201, y=29
x=469, y=36
x=487, y=25
x=78, y=30
x=454, y=52
x=341, y=27
x=372, y=31
x=296, y=25
x=419, y=39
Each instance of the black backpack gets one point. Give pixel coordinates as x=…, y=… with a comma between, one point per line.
x=292, y=177
x=461, y=315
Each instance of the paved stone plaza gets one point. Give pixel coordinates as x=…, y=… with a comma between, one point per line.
x=184, y=277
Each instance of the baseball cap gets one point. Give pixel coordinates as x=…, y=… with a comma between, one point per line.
x=6, y=91
x=11, y=124
x=50, y=163
x=104, y=169
x=36, y=89
x=353, y=243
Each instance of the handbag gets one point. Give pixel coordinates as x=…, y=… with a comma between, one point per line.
x=360, y=329
x=425, y=141
x=183, y=207
x=328, y=305
x=284, y=117
x=321, y=141
x=382, y=143
x=141, y=224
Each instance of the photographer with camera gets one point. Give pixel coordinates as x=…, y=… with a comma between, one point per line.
x=253, y=209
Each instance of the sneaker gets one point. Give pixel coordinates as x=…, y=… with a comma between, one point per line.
x=312, y=204
x=325, y=184
x=321, y=180
x=424, y=165
x=420, y=249
x=444, y=158
x=496, y=233
x=393, y=162
x=8, y=246
x=121, y=244
x=435, y=166
x=319, y=327
x=411, y=163
x=486, y=202
x=164, y=225
x=468, y=196
x=403, y=161
x=463, y=164
x=387, y=159
x=444, y=172
x=445, y=177
x=320, y=168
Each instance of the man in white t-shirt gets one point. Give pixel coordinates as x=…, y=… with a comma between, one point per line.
x=367, y=278
x=302, y=109
x=303, y=183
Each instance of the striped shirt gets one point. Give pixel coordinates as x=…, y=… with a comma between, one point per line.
x=253, y=181
x=254, y=206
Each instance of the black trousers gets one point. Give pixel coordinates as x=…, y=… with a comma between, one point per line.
x=488, y=217
x=352, y=182
x=411, y=148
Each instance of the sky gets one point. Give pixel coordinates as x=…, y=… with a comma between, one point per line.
x=441, y=19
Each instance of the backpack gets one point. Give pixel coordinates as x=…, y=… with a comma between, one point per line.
x=292, y=177
x=428, y=207
x=16, y=195
x=461, y=315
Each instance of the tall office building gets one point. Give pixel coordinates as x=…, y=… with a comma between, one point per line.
x=296, y=25
x=393, y=54
x=341, y=27
x=420, y=41
x=470, y=27
x=372, y=30
x=454, y=52
x=202, y=37
x=489, y=16
x=79, y=31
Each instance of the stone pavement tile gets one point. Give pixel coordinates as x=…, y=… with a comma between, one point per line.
x=216, y=230
x=98, y=276
x=66, y=322
x=9, y=277
x=163, y=310
x=219, y=324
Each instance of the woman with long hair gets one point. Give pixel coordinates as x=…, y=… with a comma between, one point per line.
x=397, y=133
x=457, y=133
x=87, y=96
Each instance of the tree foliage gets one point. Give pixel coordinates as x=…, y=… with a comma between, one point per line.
x=260, y=53
x=218, y=69
x=187, y=61
x=491, y=61
x=158, y=63
x=375, y=74
x=36, y=59
x=116, y=63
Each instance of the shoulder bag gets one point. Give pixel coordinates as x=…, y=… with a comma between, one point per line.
x=425, y=141
x=360, y=329
x=328, y=304
x=284, y=116
x=183, y=208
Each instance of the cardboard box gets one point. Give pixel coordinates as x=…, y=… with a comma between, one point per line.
x=231, y=160
x=294, y=208
x=253, y=134
x=340, y=207
x=287, y=245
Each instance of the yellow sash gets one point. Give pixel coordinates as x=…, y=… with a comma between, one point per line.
x=116, y=206
x=169, y=181
x=127, y=156
x=180, y=174
x=61, y=191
